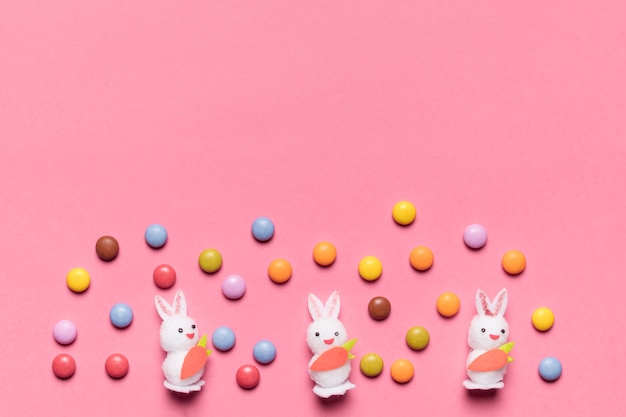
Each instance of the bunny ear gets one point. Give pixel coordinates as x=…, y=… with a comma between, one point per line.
x=316, y=308
x=498, y=307
x=483, y=304
x=180, y=304
x=333, y=305
x=163, y=308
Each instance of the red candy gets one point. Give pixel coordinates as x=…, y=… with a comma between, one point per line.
x=116, y=365
x=63, y=366
x=164, y=276
x=248, y=376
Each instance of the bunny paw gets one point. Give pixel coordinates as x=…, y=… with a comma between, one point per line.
x=473, y=385
x=184, y=389
x=326, y=392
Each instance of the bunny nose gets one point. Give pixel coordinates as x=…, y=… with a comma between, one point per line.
x=190, y=335
x=329, y=341
x=494, y=336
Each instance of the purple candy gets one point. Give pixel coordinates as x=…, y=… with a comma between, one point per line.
x=64, y=332
x=234, y=287
x=475, y=236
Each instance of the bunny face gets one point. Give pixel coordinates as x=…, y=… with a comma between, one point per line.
x=325, y=333
x=178, y=333
x=488, y=329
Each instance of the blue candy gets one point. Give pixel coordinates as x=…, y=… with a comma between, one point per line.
x=223, y=338
x=262, y=229
x=264, y=352
x=156, y=236
x=550, y=369
x=121, y=315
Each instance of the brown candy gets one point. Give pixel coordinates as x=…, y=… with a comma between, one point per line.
x=107, y=248
x=379, y=308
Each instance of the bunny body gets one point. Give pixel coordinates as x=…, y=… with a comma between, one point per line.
x=487, y=337
x=184, y=364
x=328, y=340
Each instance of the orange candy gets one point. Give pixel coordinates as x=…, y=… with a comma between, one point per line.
x=279, y=271
x=448, y=304
x=513, y=262
x=402, y=371
x=421, y=258
x=324, y=253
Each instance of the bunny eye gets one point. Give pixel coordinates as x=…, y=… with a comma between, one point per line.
x=483, y=330
x=193, y=326
x=180, y=330
x=317, y=334
x=336, y=333
x=502, y=331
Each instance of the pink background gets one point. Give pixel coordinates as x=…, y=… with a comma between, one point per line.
x=321, y=115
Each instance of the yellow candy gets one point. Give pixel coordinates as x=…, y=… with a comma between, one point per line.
x=78, y=279
x=543, y=319
x=403, y=213
x=210, y=260
x=370, y=268
x=417, y=338
x=371, y=365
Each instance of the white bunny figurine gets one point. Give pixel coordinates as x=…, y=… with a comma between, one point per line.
x=328, y=340
x=186, y=351
x=487, y=338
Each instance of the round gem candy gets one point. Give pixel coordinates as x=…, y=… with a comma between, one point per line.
x=233, y=287
x=371, y=365
x=107, y=248
x=403, y=213
x=223, y=338
x=379, y=308
x=417, y=338
x=543, y=319
x=370, y=268
x=402, y=371
x=279, y=271
x=64, y=332
x=324, y=253
x=248, y=376
x=264, y=352
x=513, y=262
x=156, y=236
x=78, y=279
x=116, y=365
x=448, y=304
x=475, y=236
x=121, y=315
x=262, y=229
x=164, y=276
x=421, y=258
x=210, y=260
x=63, y=365
x=550, y=369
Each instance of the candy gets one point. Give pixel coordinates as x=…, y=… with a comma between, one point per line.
x=264, y=352
x=121, y=315
x=64, y=332
x=371, y=365
x=475, y=236
x=402, y=371
x=262, y=229
x=379, y=308
x=543, y=319
x=116, y=365
x=78, y=279
x=421, y=258
x=370, y=268
x=403, y=213
x=223, y=338
x=63, y=365
x=448, y=304
x=513, y=262
x=550, y=369
x=417, y=338
x=248, y=376
x=279, y=271
x=156, y=236
x=107, y=248
x=210, y=260
x=324, y=253
x=164, y=276
x=233, y=287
